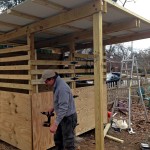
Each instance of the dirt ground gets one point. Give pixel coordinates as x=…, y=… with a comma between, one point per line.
x=131, y=142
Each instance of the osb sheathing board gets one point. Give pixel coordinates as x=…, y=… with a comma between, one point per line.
x=15, y=119
x=42, y=138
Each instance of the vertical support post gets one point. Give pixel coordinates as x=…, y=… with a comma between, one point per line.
x=32, y=54
x=72, y=58
x=98, y=80
x=105, y=88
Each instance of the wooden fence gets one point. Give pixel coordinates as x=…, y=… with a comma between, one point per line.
x=121, y=90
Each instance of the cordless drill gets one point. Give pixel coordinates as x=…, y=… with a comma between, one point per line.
x=49, y=115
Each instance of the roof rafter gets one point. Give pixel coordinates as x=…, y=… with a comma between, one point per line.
x=131, y=37
x=65, y=39
x=115, y=40
x=89, y=33
x=135, y=23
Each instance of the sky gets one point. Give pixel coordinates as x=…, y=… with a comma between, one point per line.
x=142, y=8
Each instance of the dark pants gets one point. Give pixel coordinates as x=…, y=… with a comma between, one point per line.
x=64, y=136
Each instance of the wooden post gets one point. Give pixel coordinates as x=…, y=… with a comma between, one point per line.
x=31, y=53
x=98, y=80
x=72, y=58
x=105, y=118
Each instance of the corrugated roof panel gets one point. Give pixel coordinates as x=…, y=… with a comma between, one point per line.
x=14, y=19
x=4, y=28
x=71, y=3
x=145, y=26
x=35, y=9
x=120, y=33
x=44, y=35
x=83, y=24
x=116, y=15
x=61, y=30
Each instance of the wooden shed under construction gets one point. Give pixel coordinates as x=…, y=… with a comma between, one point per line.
x=50, y=34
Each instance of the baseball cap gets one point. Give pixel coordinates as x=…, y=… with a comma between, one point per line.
x=47, y=74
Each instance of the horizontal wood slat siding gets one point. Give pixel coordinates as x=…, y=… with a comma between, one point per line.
x=16, y=86
x=16, y=58
x=17, y=77
x=15, y=67
x=14, y=49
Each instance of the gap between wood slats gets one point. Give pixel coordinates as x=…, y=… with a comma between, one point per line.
x=84, y=78
x=64, y=71
x=47, y=62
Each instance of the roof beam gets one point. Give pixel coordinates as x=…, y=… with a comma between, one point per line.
x=65, y=39
x=127, y=38
x=111, y=28
x=115, y=40
x=88, y=33
x=9, y=24
x=50, y=4
x=53, y=21
x=23, y=15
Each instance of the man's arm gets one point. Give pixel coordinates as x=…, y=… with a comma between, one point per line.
x=63, y=102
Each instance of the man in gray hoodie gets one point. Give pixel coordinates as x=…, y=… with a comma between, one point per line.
x=64, y=107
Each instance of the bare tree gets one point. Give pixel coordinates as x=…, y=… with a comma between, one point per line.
x=7, y=4
x=118, y=50
x=115, y=54
x=123, y=2
x=144, y=60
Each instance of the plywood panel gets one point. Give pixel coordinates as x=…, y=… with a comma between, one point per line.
x=15, y=119
x=85, y=109
x=42, y=137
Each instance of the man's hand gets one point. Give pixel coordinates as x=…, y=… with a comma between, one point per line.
x=53, y=128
